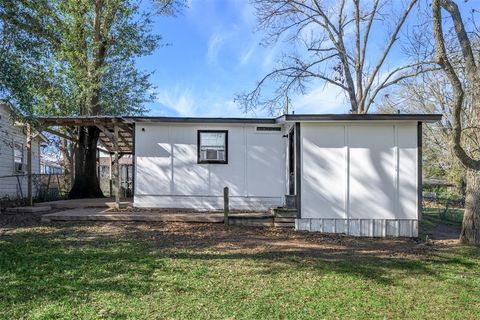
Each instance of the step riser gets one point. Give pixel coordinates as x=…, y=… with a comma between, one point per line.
x=284, y=219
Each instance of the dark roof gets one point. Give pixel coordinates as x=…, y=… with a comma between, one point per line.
x=202, y=120
x=362, y=117
x=125, y=124
x=93, y=120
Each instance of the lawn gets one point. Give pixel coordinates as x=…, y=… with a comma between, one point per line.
x=206, y=271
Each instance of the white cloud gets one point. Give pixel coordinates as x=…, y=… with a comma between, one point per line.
x=216, y=41
x=246, y=55
x=180, y=100
x=189, y=103
x=323, y=99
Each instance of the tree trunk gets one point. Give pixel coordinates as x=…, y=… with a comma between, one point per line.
x=471, y=220
x=86, y=183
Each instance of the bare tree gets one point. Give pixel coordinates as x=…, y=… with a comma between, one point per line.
x=468, y=89
x=431, y=93
x=333, y=43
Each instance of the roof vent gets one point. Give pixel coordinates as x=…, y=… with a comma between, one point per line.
x=269, y=129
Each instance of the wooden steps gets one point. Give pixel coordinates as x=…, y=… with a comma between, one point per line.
x=261, y=219
x=284, y=217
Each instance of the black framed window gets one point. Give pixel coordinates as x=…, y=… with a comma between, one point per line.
x=212, y=146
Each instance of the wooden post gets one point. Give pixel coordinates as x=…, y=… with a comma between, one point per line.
x=48, y=187
x=117, y=166
x=110, y=175
x=226, y=208
x=29, y=165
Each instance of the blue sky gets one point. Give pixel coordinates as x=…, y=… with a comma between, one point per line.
x=214, y=53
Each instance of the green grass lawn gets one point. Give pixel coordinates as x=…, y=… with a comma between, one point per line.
x=90, y=272
x=451, y=216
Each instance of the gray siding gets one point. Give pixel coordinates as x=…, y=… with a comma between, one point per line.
x=10, y=134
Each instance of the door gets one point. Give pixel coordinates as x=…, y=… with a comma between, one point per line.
x=291, y=162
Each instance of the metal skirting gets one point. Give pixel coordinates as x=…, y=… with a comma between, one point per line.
x=361, y=227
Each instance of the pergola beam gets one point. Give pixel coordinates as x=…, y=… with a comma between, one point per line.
x=124, y=140
x=59, y=134
x=104, y=123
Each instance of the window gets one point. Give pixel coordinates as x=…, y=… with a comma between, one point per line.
x=18, y=157
x=212, y=146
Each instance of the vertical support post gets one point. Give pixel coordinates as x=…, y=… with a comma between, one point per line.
x=117, y=166
x=29, y=165
x=226, y=206
x=419, y=171
x=48, y=186
x=298, y=169
x=110, y=175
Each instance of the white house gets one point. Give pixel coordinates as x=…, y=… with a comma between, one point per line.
x=354, y=174
x=13, y=155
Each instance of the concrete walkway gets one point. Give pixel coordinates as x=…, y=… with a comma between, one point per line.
x=85, y=203
x=99, y=214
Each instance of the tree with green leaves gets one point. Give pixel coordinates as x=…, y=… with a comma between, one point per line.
x=80, y=62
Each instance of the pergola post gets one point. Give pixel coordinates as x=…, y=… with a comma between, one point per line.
x=29, y=165
x=117, y=166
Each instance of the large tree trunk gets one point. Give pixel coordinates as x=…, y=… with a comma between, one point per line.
x=86, y=183
x=471, y=220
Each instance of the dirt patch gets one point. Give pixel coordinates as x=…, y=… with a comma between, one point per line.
x=15, y=220
x=217, y=238
x=208, y=238
x=19, y=219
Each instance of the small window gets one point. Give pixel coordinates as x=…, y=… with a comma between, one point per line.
x=18, y=165
x=212, y=146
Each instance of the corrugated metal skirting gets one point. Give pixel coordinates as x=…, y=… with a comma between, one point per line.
x=361, y=227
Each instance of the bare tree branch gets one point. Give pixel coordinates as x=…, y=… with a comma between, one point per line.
x=329, y=27
x=444, y=62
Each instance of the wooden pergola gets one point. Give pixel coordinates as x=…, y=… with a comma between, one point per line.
x=116, y=136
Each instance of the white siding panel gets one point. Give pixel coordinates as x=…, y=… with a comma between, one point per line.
x=231, y=175
x=323, y=182
x=373, y=168
x=265, y=177
x=168, y=174
x=372, y=191
x=189, y=178
x=153, y=163
x=407, y=186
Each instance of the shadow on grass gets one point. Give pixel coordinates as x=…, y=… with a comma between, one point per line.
x=54, y=262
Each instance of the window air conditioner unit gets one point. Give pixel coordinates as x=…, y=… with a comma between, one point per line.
x=214, y=154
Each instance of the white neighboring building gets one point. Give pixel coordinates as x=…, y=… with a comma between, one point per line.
x=354, y=174
x=13, y=155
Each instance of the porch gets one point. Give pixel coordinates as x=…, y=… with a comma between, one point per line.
x=264, y=219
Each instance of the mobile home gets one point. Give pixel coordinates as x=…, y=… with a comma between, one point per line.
x=354, y=174
x=343, y=173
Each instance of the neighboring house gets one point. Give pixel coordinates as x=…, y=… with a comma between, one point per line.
x=354, y=174
x=13, y=155
x=50, y=166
